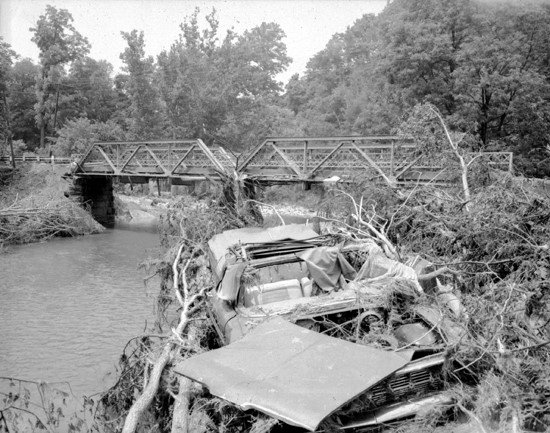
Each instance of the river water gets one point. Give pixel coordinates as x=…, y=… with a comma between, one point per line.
x=68, y=307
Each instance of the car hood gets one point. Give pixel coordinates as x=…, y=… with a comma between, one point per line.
x=291, y=373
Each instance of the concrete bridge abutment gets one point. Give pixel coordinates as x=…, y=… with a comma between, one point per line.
x=96, y=194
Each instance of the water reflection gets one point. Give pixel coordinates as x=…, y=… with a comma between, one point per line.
x=68, y=306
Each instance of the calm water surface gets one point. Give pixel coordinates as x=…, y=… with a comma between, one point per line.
x=68, y=307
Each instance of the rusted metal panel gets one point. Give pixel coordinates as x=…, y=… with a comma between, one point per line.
x=291, y=373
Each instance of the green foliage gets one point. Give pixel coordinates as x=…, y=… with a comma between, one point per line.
x=59, y=43
x=6, y=60
x=22, y=98
x=144, y=113
x=57, y=39
x=89, y=91
x=217, y=89
x=78, y=134
x=483, y=65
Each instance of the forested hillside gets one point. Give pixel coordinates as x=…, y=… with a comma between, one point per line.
x=484, y=65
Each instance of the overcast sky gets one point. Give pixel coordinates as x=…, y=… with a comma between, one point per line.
x=308, y=24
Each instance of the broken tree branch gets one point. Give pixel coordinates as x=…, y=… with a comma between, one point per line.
x=378, y=233
x=168, y=352
x=463, y=166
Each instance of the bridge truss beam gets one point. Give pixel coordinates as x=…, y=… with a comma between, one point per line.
x=178, y=159
x=391, y=159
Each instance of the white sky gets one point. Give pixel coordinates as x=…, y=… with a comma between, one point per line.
x=308, y=24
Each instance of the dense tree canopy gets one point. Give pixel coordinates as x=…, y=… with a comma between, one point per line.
x=212, y=88
x=6, y=59
x=485, y=66
x=144, y=113
x=90, y=86
x=22, y=96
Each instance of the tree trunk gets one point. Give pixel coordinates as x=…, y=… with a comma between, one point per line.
x=55, y=112
x=180, y=415
x=148, y=394
x=54, y=122
x=42, y=133
x=41, y=111
x=484, y=123
x=463, y=164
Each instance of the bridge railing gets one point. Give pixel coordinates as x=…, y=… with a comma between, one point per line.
x=38, y=158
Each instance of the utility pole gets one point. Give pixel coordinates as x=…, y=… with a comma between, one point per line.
x=8, y=124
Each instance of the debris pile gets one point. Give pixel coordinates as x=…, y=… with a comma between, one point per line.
x=488, y=271
x=33, y=208
x=496, y=253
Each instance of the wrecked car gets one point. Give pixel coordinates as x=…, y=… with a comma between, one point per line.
x=316, y=330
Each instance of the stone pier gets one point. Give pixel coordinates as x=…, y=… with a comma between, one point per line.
x=95, y=193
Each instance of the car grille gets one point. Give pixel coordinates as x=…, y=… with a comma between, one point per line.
x=404, y=385
x=417, y=378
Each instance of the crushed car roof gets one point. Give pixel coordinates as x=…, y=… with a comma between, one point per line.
x=291, y=373
x=220, y=243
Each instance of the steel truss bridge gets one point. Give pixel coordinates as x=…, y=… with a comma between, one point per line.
x=308, y=160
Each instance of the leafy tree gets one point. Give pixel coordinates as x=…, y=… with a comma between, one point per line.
x=212, y=87
x=340, y=84
x=484, y=66
x=122, y=101
x=59, y=44
x=78, y=134
x=497, y=69
x=6, y=60
x=145, y=113
x=22, y=96
x=267, y=117
x=90, y=87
